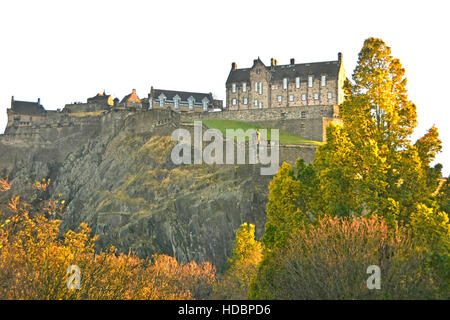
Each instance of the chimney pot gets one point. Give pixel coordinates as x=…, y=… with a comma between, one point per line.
x=233, y=66
x=292, y=61
x=39, y=100
x=339, y=56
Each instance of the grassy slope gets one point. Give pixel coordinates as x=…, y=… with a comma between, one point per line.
x=285, y=137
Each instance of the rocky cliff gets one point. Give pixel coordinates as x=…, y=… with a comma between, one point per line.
x=120, y=179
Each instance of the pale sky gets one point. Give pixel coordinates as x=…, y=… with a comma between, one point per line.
x=65, y=51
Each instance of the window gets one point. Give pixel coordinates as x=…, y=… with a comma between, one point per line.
x=304, y=96
x=291, y=97
x=150, y=101
x=279, y=98
x=256, y=87
x=303, y=114
x=297, y=82
x=191, y=103
x=285, y=83
x=205, y=104
x=245, y=101
x=176, y=102
x=244, y=87
x=256, y=103
x=260, y=105
x=324, y=81
x=233, y=102
x=330, y=95
x=233, y=87
x=310, y=81
x=258, y=71
x=260, y=88
x=316, y=96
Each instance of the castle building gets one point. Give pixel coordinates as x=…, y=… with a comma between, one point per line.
x=290, y=85
x=131, y=101
x=182, y=101
x=22, y=113
x=101, y=101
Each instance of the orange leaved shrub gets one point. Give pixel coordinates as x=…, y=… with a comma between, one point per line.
x=34, y=261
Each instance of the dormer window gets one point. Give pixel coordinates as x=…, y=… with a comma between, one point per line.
x=162, y=99
x=310, y=81
x=191, y=103
x=233, y=88
x=176, y=101
x=285, y=83
x=323, y=81
x=205, y=104
x=244, y=87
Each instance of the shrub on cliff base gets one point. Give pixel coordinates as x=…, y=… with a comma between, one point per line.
x=330, y=260
x=34, y=258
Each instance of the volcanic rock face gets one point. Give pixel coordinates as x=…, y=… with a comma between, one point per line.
x=122, y=182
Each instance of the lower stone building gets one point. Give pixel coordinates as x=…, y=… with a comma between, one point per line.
x=24, y=113
x=131, y=101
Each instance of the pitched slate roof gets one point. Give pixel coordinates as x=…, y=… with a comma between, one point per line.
x=100, y=97
x=26, y=107
x=184, y=95
x=302, y=70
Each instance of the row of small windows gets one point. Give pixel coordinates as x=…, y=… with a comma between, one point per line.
x=316, y=97
x=280, y=98
x=259, y=85
x=176, y=102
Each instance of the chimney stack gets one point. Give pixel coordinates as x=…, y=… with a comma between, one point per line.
x=273, y=62
x=233, y=66
x=39, y=100
x=292, y=61
x=134, y=91
x=340, y=56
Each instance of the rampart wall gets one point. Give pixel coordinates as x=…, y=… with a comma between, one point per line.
x=309, y=122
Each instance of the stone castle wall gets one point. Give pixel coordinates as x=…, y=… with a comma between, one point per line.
x=58, y=134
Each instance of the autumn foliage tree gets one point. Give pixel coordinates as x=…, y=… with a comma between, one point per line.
x=34, y=258
x=368, y=167
x=242, y=266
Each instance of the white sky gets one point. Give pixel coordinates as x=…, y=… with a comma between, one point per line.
x=65, y=51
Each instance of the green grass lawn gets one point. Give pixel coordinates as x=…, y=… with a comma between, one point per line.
x=285, y=137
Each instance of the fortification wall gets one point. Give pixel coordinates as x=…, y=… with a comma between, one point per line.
x=58, y=134
x=307, y=121
x=84, y=107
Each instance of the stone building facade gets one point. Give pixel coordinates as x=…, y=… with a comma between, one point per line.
x=182, y=101
x=285, y=86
